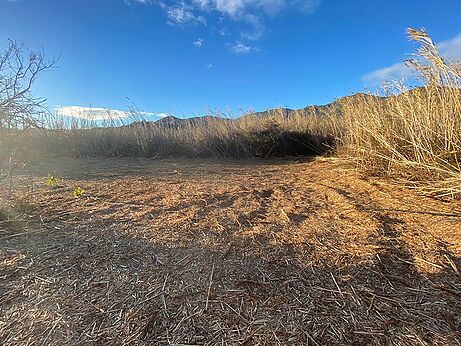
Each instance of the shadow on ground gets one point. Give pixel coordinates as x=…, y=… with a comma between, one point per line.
x=92, y=286
x=231, y=273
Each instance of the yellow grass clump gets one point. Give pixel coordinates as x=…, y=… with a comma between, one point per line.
x=411, y=134
x=273, y=134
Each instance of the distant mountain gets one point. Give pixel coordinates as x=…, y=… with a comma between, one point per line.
x=172, y=121
x=333, y=107
x=175, y=122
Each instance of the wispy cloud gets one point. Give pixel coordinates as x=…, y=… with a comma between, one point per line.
x=257, y=28
x=223, y=32
x=397, y=71
x=129, y=2
x=449, y=49
x=198, y=42
x=240, y=48
x=234, y=8
x=162, y=115
x=89, y=113
x=309, y=6
x=248, y=12
x=181, y=13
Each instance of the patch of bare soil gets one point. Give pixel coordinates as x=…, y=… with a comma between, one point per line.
x=202, y=252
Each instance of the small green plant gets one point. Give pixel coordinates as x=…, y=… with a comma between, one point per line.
x=79, y=192
x=51, y=181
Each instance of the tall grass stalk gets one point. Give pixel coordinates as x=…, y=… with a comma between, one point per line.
x=215, y=136
x=414, y=135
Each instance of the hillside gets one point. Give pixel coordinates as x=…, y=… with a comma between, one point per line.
x=317, y=110
x=175, y=122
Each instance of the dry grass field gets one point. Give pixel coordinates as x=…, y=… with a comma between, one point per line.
x=208, y=252
x=208, y=231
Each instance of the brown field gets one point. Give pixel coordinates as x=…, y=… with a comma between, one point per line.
x=207, y=252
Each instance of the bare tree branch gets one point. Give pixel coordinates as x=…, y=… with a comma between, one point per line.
x=19, y=69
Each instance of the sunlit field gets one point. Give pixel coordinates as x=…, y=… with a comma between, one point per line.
x=328, y=225
x=202, y=251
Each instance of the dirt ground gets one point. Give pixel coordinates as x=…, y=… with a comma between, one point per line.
x=205, y=252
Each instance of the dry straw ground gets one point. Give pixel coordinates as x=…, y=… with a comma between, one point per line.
x=204, y=252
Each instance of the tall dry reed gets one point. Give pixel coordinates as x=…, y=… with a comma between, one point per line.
x=412, y=134
x=274, y=134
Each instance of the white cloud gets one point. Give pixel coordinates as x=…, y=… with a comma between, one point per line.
x=198, y=42
x=181, y=13
x=450, y=49
x=210, y=66
x=162, y=115
x=239, y=7
x=251, y=12
x=129, y=2
x=240, y=48
x=396, y=71
x=257, y=26
x=309, y=6
x=89, y=113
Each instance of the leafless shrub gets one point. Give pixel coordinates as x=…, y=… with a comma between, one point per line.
x=20, y=109
x=19, y=69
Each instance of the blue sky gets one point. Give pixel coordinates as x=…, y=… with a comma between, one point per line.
x=185, y=57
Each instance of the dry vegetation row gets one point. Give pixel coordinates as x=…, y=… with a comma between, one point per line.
x=410, y=134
